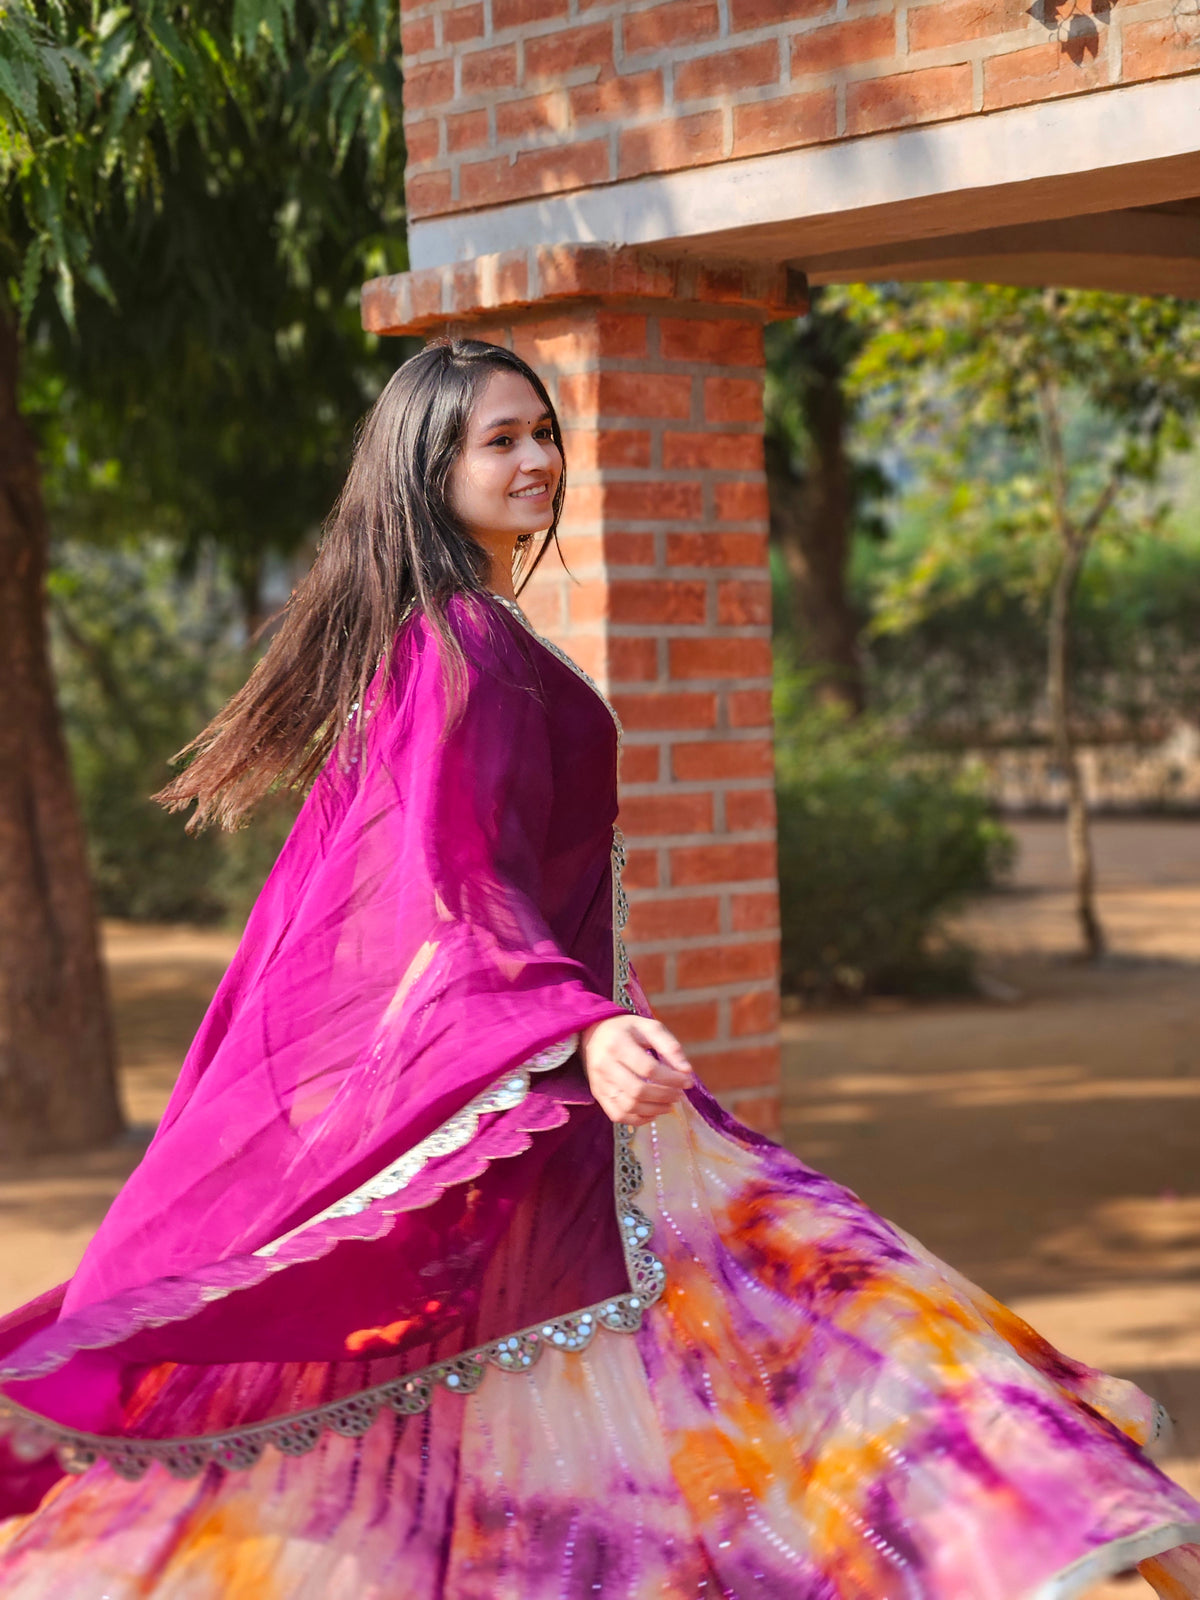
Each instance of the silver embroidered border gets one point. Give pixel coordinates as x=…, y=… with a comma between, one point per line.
x=620, y=916
x=453, y=1134
x=31, y=1436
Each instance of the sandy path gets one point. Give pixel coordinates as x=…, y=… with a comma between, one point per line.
x=1048, y=1145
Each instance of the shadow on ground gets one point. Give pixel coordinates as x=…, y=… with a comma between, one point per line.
x=1046, y=1145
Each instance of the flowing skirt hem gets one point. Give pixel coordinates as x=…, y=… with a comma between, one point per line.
x=1118, y=1556
x=813, y=1406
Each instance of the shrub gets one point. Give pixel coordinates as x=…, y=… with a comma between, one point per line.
x=143, y=656
x=876, y=846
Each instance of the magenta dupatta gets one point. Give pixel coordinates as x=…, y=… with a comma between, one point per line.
x=312, y=1216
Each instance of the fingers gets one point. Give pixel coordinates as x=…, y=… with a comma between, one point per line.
x=646, y=1058
x=648, y=1038
x=626, y=1098
x=664, y=1043
x=631, y=1116
x=651, y=1094
x=637, y=1068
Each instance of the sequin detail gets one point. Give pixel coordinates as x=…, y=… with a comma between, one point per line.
x=31, y=1437
x=459, y=1130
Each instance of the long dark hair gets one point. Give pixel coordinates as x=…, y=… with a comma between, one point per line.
x=391, y=545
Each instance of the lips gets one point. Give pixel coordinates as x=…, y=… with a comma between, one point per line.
x=534, y=492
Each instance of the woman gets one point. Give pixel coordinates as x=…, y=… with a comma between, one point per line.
x=366, y=1321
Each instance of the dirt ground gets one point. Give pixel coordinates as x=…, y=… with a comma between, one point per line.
x=1045, y=1140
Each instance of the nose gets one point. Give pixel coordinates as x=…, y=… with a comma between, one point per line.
x=539, y=455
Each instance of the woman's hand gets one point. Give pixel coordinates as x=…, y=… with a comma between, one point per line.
x=636, y=1068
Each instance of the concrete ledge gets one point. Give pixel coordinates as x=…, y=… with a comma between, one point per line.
x=417, y=302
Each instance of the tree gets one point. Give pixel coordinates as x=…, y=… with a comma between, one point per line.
x=1043, y=417
x=822, y=493
x=969, y=671
x=100, y=112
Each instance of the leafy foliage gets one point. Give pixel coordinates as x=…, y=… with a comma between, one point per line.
x=95, y=102
x=221, y=179
x=227, y=215
x=952, y=388
x=803, y=357
x=142, y=657
x=824, y=494
x=1044, y=418
x=969, y=670
x=1020, y=411
x=133, y=652
x=876, y=847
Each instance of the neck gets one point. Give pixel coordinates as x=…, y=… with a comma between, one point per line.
x=500, y=577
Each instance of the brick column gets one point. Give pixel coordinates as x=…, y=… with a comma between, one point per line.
x=656, y=368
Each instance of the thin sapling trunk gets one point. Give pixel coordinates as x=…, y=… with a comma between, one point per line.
x=1074, y=540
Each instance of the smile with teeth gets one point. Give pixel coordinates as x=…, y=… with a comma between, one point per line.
x=528, y=494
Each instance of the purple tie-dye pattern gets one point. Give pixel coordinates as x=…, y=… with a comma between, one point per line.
x=875, y=1430
x=816, y=1408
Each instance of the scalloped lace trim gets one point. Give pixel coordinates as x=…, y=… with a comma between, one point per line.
x=453, y=1134
x=32, y=1437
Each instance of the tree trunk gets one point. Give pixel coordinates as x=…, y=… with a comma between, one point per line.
x=57, y=1081
x=811, y=522
x=1079, y=838
x=248, y=575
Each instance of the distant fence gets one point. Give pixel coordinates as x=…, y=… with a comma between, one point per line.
x=1129, y=777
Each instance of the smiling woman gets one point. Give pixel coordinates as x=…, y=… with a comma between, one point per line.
x=439, y=1213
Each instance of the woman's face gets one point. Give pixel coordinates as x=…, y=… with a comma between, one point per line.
x=502, y=484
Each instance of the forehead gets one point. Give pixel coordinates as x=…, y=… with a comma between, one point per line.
x=506, y=394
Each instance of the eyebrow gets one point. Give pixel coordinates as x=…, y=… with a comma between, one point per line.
x=511, y=422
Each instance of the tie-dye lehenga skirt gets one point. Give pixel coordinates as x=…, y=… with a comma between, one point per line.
x=806, y=1404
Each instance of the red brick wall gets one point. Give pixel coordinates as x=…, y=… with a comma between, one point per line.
x=526, y=97
x=666, y=534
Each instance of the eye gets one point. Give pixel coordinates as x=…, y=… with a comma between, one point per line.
x=501, y=438
x=546, y=432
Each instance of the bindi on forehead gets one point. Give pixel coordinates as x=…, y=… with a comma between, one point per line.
x=514, y=422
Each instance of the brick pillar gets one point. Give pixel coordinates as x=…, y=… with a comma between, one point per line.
x=656, y=368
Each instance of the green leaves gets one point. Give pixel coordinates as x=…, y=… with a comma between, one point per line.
x=985, y=355
x=94, y=103
x=1027, y=419
x=876, y=845
x=263, y=21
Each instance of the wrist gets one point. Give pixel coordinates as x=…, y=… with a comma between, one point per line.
x=585, y=1034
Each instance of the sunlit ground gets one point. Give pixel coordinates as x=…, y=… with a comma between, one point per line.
x=1046, y=1142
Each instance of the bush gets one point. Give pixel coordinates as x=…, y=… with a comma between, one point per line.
x=143, y=657
x=876, y=846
